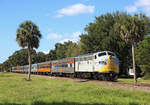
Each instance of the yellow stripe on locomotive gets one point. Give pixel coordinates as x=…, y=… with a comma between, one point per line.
x=111, y=66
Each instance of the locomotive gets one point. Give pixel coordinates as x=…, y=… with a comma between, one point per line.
x=102, y=65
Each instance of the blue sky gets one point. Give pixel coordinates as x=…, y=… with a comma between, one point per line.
x=58, y=20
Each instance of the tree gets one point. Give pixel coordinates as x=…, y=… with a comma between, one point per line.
x=142, y=52
x=20, y=57
x=132, y=30
x=39, y=57
x=72, y=49
x=60, y=50
x=66, y=49
x=102, y=34
x=28, y=35
x=51, y=55
x=3, y=67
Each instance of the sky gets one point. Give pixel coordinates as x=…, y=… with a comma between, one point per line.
x=58, y=20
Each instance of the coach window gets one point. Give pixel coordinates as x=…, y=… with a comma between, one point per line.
x=71, y=65
x=87, y=62
x=79, y=59
x=95, y=57
x=66, y=65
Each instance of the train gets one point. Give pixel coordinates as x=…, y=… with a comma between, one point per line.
x=102, y=65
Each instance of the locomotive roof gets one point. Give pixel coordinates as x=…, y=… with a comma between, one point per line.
x=89, y=54
x=65, y=59
x=44, y=62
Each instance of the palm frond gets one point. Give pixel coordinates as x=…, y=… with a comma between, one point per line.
x=28, y=34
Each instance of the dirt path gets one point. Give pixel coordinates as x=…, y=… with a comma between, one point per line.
x=126, y=86
x=117, y=85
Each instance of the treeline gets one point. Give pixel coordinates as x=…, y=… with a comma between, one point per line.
x=102, y=34
x=62, y=50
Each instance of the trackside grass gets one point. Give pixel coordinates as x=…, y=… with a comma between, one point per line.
x=15, y=90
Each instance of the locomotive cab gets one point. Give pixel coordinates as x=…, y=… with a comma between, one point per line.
x=107, y=63
x=106, y=58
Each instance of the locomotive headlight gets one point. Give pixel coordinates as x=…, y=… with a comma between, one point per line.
x=102, y=62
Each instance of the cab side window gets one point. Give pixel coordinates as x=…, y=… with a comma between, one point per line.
x=111, y=54
x=95, y=57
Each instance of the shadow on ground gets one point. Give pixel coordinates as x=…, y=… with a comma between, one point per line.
x=65, y=103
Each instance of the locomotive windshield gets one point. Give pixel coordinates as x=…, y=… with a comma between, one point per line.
x=102, y=54
x=109, y=53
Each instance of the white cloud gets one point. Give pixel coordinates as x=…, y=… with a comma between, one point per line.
x=76, y=34
x=54, y=36
x=74, y=37
x=75, y=10
x=59, y=16
x=46, y=52
x=131, y=8
x=2, y=59
x=66, y=40
x=143, y=5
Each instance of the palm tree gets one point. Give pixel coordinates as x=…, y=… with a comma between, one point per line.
x=28, y=35
x=132, y=30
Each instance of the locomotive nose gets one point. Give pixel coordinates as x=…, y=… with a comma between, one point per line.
x=113, y=66
x=110, y=57
x=110, y=60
